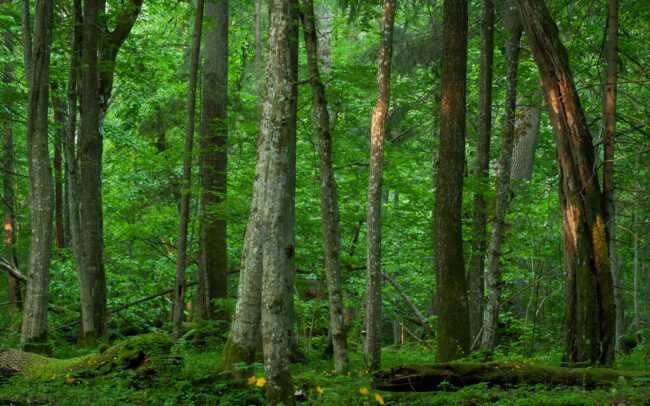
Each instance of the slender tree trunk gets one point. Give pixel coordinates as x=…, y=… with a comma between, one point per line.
x=8, y=182
x=590, y=295
x=323, y=24
x=635, y=222
x=26, y=32
x=609, y=211
x=481, y=172
x=58, y=105
x=329, y=198
x=372, y=310
x=278, y=184
x=494, y=280
x=453, y=318
x=213, y=160
x=70, y=144
x=647, y=261
x=258, y=33
x=179, y=292
x=34, y=327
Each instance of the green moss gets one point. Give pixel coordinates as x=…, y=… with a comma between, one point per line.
x=280, y=390
x=234, y=361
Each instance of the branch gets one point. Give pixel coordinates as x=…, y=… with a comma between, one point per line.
x=409, y=302
x=12, y=270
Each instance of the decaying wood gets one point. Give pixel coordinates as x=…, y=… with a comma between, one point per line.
x=155, y=350
x=431, y=377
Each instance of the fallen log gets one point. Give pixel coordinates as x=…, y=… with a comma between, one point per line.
x=151, y=350
x=432, y=377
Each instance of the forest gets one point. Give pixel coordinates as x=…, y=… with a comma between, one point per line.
x=344, y=202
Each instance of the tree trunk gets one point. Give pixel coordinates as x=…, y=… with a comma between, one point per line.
x=178, y=306
x=8, y=182
x=372, y=302
x=329, y=198
x=258, y=33
x=213, y=163
x=590, y=303
x=494, y=280
x=527, y=126
x=635, y=227
x=70, y=145
x=100, y=48
x=276, y=211
x=60, y=119
x=453, y=320
x=34, y=327
x=323, y=24
x=481, y=172
x=609, y=211
x=647, y=262
x=431, y=377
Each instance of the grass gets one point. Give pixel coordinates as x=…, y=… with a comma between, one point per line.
x=194, y=384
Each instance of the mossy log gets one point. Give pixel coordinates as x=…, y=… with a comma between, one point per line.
x=151, y=350
x=431, y=377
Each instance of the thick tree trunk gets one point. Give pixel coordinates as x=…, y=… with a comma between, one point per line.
x=213, y=162
x=100, y=48
x=178, y=306
x=8, y=182
x=494, y=280
x=591, y=316
x=431, y=377
x=372, y=299
x=453, y=319
x=481, y=172
x=90, y=156
x=34, y=327
x=329, y=198
x=609, y=211
x=277, y=186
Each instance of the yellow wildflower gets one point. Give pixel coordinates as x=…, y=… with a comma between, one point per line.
x=260, y=382
x=251, y=380
x=364, y=391
x=319, y=390
x=70, y=379
x=379, y=399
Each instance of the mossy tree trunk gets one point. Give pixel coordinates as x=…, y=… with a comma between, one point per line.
x=453, y=319
x=590, y=316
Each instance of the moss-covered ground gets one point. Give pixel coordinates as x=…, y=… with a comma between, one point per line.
x=193, y=383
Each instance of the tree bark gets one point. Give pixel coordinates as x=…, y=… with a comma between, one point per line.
x=100, y=48
x=647, y=261
x=277, y=211
x=59, y=118
x=70, y=146
x=178, y=306
x=372, y=299
x=635, y=227
x=494, y=280
x=527, y=126
x=34, y=327
x=481, y=172
x=330, y=220
x=213, y=163
x=609, y=211
x=258, y=33
x=8, y=182
x=453, y=319
x=431, y=377
x=590, y=317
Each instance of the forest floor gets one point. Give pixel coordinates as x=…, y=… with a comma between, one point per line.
x=194, y=384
